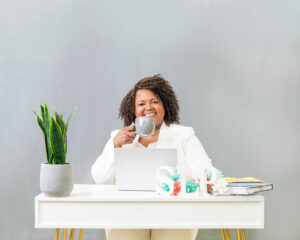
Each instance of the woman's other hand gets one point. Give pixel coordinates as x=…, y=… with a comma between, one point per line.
x=124, y=136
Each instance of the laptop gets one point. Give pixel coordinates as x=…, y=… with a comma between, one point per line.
x=136, y=167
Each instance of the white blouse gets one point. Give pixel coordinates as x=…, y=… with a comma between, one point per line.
x=150, y=145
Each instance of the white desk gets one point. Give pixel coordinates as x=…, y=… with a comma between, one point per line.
x=102, y=206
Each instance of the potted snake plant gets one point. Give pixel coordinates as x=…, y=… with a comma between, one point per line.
x=56, y=175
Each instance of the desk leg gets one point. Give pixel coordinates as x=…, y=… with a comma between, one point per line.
x=243, y=234
x=71, y=234
x=65, y=234
x=223, y=234
x=238, y=232
x=227, y=234
x=80, y=234
x=57, y=234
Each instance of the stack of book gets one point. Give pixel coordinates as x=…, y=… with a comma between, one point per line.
x=246, y=186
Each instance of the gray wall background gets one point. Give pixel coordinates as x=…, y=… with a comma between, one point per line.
x=235, y=65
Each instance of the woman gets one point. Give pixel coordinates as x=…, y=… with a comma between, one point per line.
x=151, y=97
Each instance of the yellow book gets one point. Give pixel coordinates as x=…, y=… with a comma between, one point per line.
x=243, y=179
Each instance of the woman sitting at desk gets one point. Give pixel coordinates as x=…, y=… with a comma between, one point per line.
x=151, y=97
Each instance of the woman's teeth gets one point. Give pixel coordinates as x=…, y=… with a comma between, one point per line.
x=149, y=114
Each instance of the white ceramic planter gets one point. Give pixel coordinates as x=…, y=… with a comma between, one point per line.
x=56, y=180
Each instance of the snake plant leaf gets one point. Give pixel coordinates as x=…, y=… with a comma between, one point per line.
x=43, y=112
x=66, y=128
x=41, y=123
x=47, y=118
x=43, y=127
x=66, y=143
x=65, y=136
x=51, y=160
x=60, y=121
x=67, y=123
x=57, y=142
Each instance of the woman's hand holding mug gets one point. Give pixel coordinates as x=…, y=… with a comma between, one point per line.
x=124, y=136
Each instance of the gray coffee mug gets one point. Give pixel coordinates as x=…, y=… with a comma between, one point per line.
x=144, y=126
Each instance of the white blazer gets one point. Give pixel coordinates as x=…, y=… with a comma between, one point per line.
x=189, y=150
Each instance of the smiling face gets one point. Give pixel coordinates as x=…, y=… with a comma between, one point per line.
x=147, y=104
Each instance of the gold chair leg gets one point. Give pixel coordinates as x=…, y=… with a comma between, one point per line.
x=80, y=234
x=227, y=234
x=238, y=234
x=57, y=234
x=71, y=234
x=223, y=234
x=243, y=234
x=65, y=234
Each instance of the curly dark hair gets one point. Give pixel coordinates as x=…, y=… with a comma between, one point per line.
x=162, y=89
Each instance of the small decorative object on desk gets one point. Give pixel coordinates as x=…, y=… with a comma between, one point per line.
x=220, y=185
x=246, y=186
x=211, y=181
x=165, y=182
x=56, y=175
x=170, y=185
